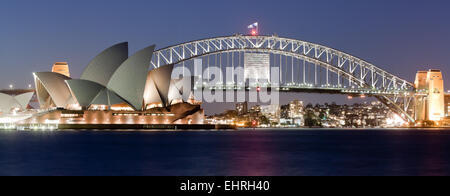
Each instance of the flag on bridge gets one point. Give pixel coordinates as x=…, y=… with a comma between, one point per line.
x=254, y=28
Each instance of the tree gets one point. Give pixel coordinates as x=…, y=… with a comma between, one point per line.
x=311, y=119
x=323, y=116
x=263, y=120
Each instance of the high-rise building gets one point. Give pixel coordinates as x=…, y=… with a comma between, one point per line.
x=296, y=109
x=61, y=68
x=242, y=108
x=447, y=104
x=296, y=112
x=271, y=111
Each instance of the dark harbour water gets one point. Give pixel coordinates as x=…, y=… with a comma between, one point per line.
x=242, y=153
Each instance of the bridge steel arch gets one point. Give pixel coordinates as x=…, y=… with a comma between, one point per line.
x=393, y=91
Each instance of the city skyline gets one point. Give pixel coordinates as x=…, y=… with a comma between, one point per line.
x=71, y=32
x=297, y=115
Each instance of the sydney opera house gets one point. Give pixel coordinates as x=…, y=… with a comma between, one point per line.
x=115, y=89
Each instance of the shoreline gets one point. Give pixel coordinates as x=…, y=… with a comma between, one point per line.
x=212, y=128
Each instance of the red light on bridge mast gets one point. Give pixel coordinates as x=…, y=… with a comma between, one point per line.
x=254, y=29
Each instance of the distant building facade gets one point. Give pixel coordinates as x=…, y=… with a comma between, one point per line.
x=242, y=108
x=272, y=112
x=296, y=112
x=255, y=109
x=61, y=68
x=447, y=104
x=296, y=109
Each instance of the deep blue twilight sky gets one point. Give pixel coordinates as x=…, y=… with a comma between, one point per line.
x=401, y=36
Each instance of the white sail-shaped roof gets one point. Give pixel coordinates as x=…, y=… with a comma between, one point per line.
x=103, y=66
x=129, y=79
x=8, y=102
x=107, y=97
x=158, y=85
x=52, y=90
x=84, y=91
x=101, y=98
x=175, y=93
x=110, y=78
x=24, y=99
x=151, y=95
x=185, y=86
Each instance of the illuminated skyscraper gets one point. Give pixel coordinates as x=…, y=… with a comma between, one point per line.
x=61, y=68
x=296, y=109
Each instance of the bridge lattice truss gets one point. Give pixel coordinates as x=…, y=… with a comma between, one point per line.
x=361, y=77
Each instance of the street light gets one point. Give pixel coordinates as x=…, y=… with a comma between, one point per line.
x=11, y=86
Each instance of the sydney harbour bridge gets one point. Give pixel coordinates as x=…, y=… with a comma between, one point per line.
x=304, y=67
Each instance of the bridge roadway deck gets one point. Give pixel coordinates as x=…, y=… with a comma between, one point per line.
x=309, y=89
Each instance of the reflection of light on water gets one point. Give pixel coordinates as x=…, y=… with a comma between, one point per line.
x=242, y=153
x=432, y=164
x=252, y=156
